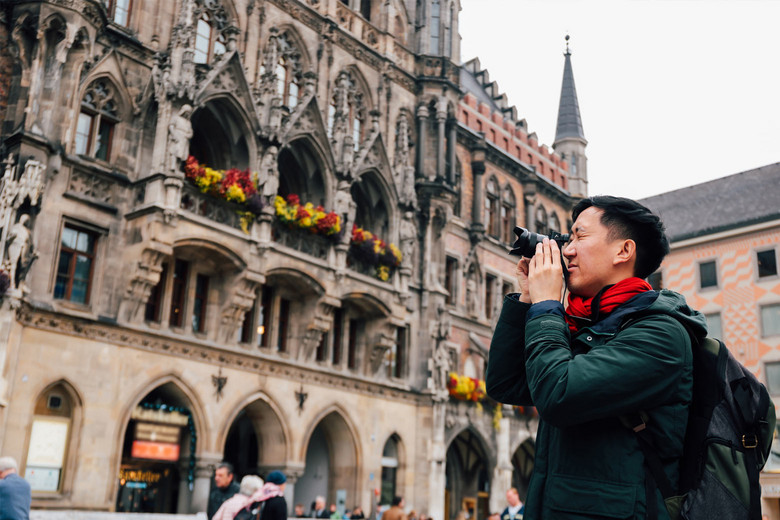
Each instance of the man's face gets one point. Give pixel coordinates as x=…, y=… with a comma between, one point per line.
x=298, y=510
x=319, y=504
x=590, y=254
x=512, y=498
x=222, y=477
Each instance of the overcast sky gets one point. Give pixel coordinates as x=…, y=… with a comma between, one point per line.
x=672, y=92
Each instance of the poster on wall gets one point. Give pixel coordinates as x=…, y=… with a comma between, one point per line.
x=46, y=455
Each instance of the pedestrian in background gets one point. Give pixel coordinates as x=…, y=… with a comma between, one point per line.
x=225, y=488
x=15, y=494
x=234, y=504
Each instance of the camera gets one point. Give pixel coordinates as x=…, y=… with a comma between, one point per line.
x=525, y=245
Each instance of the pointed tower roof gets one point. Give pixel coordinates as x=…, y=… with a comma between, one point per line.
x=569, y=120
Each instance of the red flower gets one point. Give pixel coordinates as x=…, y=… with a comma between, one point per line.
x=293, y=199
x=302, y=213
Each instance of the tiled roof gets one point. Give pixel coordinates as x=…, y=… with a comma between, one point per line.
x=730, y=202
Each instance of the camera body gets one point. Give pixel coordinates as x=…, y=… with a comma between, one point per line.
x=525, y=245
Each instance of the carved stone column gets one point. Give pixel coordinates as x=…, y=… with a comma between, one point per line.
x=529, y=197
x=451, y=142
x=441, y=145
x=422, y=138
x=438, y=461
x=502, y=475
x=478, y=170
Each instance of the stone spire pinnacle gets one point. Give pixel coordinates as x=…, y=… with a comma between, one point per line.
x=569, y=120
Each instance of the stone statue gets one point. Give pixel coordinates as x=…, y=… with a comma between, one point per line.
x=179, y=135
x=269, y=174
x=441, y=356
x=19, y=245
x=345, y=207
x=471, y=293
x=402, y=142
x=408, y=238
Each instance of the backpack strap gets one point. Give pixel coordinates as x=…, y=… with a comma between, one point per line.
x=750, y=441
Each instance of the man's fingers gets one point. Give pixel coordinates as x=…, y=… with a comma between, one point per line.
x=546, y=249
x=556, y=254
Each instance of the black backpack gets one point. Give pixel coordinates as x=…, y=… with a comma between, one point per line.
x=729, y=435
x=251, y=512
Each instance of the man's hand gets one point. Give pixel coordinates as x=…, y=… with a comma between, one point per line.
x=545, y=276
x=522, y=279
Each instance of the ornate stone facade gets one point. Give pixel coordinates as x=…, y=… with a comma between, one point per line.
x=138, y=289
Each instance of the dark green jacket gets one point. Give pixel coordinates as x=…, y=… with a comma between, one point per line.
x=638, y=358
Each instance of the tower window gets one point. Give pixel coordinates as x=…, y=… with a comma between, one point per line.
x=96, y=121
x=75, y=266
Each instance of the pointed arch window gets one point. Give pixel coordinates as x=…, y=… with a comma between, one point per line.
x=573, y=165
x=435, y=26
x=119, y=11
x=347, y=109
x=209, y=41
x=507, y=214
x=541, y=220
x=390, y=464
x=554, y=223
x=51, y=431
x=491, y=207
x=97, y=120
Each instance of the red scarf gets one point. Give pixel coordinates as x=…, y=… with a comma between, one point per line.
x=608, y=298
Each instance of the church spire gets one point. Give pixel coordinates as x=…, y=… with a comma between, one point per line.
x=569, y=120
x=570, y=140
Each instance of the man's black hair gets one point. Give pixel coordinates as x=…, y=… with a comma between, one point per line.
x=626, y=218
x=228, y=466
x=397, y=500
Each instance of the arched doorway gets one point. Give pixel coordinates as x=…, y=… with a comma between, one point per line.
x=256, y=442
x=468, y=482
x=392, y=470
x=331, y=464
x=522, y=466
x=156, y=452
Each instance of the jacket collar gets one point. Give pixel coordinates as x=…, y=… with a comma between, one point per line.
x=612, y=322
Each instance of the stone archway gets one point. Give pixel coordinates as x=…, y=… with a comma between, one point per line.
x=157, y=465
x=256, y=442
x=468, y=477
x=522, y=467
x=219, y=135
x=332, y=464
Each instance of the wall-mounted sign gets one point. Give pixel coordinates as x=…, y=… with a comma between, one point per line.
x=42, y=479
x=48, y=440
x=145, y=431
x=159, y=416
x=155, y=450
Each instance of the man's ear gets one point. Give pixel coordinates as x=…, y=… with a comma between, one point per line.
x=625, y=253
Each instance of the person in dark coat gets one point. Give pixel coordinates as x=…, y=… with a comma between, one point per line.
x=15, y=494
x=618, y=348
x=225, y=487
x=276, y=506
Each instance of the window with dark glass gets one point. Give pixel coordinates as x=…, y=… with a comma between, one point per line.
x=247, y=323
x=490, y=282
x=119, y=11
x=491, y=208
x=770, y=320
x=541, y=220
x=153, y=312
x=338, y=322
x=96, y=121
x=773, y=377
x=708, y=274
x=397, y=358
x=284, y=325
x=714, y=325
x=656, y=280
x=181, y=271
x=201, y=303
x=451, y=280
x=389, y=471
x=767, y=263
x=263, y=331
x=507, y=215
x=365, y=9
x=554, y=224
x=75, y=266
x=322, y=348
x=352, y=345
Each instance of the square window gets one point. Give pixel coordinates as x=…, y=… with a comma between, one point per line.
x=708, y=274
x=714, y=325
x=773, y=377
x=770, y=320
x=75, y=265
x=767, y=263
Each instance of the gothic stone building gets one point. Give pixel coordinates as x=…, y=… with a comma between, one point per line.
x=165, y=310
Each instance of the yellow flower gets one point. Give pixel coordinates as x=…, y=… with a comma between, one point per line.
x=235, y=193
x=383, y=273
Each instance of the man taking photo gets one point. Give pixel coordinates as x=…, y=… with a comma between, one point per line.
x=616, y=349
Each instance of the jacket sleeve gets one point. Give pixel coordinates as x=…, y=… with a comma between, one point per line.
x=505, y=380
x=642, y=367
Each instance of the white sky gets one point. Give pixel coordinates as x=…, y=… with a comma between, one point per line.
x=672, y=92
